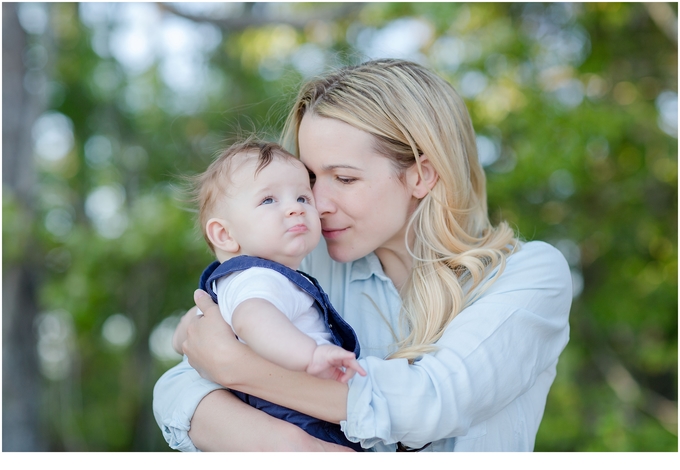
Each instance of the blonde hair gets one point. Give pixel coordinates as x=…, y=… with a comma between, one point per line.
x=208, y=187
x=412, y=112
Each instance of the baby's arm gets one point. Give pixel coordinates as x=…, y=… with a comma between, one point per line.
x=332, y=362
x=273, y=336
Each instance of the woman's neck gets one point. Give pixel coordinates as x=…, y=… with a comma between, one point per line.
x=396, y=259
x=397, y=266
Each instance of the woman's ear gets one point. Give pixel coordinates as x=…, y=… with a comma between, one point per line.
x=218, y=234
x=423, y=181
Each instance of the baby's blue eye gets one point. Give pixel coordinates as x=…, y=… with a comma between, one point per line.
x=302, y=200
x=268, y=200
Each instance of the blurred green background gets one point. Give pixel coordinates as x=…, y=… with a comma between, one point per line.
x=105, y=105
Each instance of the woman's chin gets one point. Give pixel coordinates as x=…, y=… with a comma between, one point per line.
x=341, y=255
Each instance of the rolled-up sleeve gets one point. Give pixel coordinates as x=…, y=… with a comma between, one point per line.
x=491, y=354
x=175, y=398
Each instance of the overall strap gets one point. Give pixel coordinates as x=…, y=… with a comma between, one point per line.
x=342, y=333
x=203, y=282
x=216, y=270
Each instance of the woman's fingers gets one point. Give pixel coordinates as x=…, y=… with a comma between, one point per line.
x=180, y=334
x=205, y=303
x=209, y=338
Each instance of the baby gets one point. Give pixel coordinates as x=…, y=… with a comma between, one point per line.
x=257, y=213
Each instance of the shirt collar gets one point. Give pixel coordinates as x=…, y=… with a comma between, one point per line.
x=365, y=267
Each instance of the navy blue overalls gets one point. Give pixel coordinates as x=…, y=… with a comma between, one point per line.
x=341, y=335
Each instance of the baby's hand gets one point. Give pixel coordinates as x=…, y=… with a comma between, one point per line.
x=333, y=362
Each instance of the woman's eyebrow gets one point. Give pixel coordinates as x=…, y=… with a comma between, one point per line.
x=334, y=167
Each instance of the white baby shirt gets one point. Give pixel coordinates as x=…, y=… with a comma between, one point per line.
x=267, y=284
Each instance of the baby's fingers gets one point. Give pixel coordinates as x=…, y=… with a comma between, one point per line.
x=354, y=365
x=346, y=375
x=351, y=367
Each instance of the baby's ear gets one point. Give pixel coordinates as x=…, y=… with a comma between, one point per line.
x=219, y=236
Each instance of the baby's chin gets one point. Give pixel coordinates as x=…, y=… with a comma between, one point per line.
x=293, y=260
x=302, y=250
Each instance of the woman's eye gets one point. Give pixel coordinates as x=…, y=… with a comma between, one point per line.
x=267, y=200
x=345, y=180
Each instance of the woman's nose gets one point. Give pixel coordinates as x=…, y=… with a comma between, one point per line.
x=324, y=204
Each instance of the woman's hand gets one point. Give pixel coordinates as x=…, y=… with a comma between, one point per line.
x=210, y=344
x=222, y=422
x=180, y=334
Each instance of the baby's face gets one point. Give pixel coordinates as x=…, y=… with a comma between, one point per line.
x=272, y=215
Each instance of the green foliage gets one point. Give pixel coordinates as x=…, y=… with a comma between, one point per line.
x=591, y=172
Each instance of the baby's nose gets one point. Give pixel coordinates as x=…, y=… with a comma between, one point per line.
x=296, y=209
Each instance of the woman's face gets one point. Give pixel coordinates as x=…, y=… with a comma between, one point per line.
x=362, y=204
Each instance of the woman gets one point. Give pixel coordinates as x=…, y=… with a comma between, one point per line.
x=460, y=324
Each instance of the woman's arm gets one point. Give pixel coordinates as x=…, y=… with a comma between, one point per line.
x=194, y=413
x=493, y=352
x=502, y=348
x=223, y=423
x=218, y=356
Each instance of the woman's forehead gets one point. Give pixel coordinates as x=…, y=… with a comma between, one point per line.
x=327, y=142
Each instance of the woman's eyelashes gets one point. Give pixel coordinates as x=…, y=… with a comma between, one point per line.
x=342, y=179
x=345, y=179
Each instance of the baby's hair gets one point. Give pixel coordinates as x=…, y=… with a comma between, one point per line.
x=209, y=186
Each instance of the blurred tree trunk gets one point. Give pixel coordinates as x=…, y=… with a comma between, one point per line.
x=21, y=395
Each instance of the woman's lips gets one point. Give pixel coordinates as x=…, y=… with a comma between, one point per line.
x=333, y=233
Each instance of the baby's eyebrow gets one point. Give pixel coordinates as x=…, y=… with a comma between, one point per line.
x=262, y=191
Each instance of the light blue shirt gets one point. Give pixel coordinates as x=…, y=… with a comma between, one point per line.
x=483, y=389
